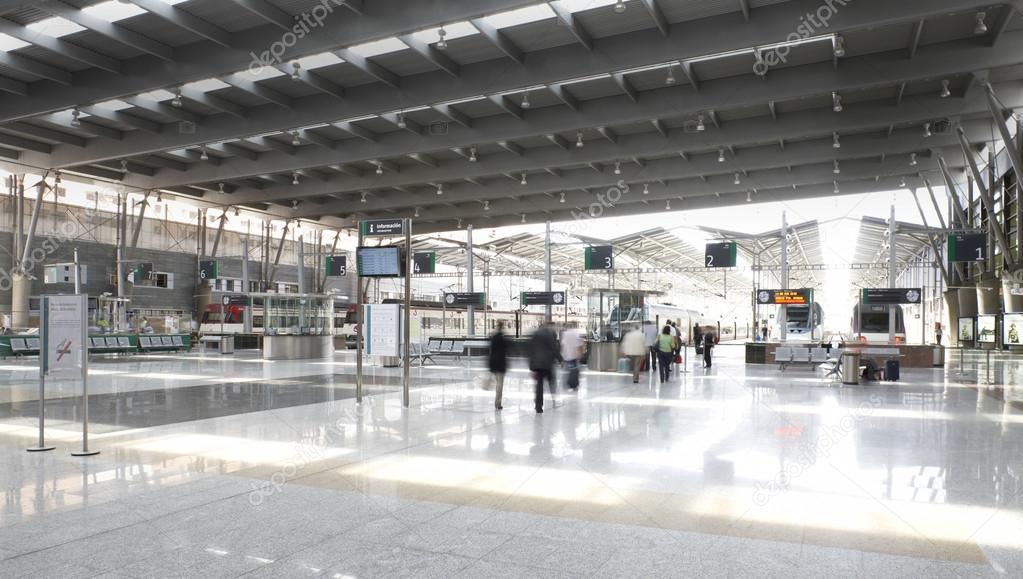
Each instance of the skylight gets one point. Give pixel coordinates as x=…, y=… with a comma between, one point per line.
x=114, y=105
x=265, y=73
x=521, y=16
x=580, y=5
x=452, y=31
x=9, y=43
x=378, y=47
x=319, y=60
x=158, y=95
x=112, y=10
x=210, y=84
x=55, y=27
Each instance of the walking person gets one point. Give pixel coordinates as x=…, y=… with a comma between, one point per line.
x=665, y=352
x=497, y=362
x=634, y=346
x=543, y=352
x=650, y=338
x=937, y=332
x=708, y=347
x=571, y=353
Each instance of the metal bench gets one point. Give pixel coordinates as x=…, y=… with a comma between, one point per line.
x=421, y=352
x=785, y=356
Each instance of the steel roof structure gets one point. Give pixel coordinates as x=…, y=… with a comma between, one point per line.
x=522, y=111
x=911, y=241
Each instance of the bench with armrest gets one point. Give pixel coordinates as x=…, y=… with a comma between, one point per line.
x=421, y=352
x=161, y=343
x=442, y=347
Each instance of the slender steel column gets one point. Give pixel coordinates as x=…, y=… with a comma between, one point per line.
x=470, y=310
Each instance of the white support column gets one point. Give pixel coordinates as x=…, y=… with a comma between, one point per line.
x=783, y=322
x=470, y=310
x=548, y=275
x=891, y=272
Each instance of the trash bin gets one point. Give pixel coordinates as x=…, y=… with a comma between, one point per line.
x=227, y=344
x=939, y=356
x=850, y=367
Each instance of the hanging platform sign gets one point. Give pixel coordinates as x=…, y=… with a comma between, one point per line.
x=793, y=297
x=208, y=269
x=542, y=298
x=424, y=262
x=465, y=299
x=599, y=257
x=64, y=331
x=720, y=254
x=967, y=247
x=382, y=227
x=337, y=265
x=890, y=296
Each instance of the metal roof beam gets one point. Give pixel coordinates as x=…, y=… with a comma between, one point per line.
x=112, y=31
x=185, y=20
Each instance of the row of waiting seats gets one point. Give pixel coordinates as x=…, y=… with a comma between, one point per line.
x=813, y=357
x=436, y=347
x=105, y=345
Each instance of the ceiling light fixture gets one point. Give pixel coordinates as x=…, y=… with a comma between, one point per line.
x=296, y=71
x=618, y=167
x=912, y=159
x=486, y=205
x=700, y=127
x=620, y=7
x=837, y=170
x=902, y=181
x=670, y=79
x=667, y=205
x=124, y=166
x=749, y=196
x=472, y=154
x=380, y=168
x=401, y=120
x=416, y=214
x=927, y=130
x=459, y=223
x=579, y=140
x=442, y=43
x=75, y=113
x=836, y=102
x=294, y=178
x=836, y=187
x=839, y=46
x=523, y=181
x=562, y=199
x=440, y=188
x=176, y=101
x=525, y=100
x=721, y=155
x=362, y=199
x=646, y=188
x=220, y=187
x=737, y=179
x=204, y=156
x=295, y=141
x=835, y=143
x=945, y=90
x=523, y=218
x=980, y=27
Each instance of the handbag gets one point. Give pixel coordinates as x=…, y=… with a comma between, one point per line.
x=678, y=358
x=699, y=350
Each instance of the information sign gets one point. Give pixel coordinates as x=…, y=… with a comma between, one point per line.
x=208, y=269
x=599, y=257
x=542, y=298
x=378, y=261
x=967, y=247
x=424, y=262
x=793, y=297
x=337, y=265
x=720, y=254
x=890, y=296
x=382, y=227
x=383, y=329
x=465, y=299
x=63, y=333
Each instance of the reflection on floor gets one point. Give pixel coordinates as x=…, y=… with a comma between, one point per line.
x=224, y=467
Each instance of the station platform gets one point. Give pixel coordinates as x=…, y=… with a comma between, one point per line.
x=235, y=466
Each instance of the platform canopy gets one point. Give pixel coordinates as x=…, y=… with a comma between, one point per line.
x=872, y=247
x=342, y=110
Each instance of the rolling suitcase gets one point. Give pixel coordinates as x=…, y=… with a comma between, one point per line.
x=891, y=370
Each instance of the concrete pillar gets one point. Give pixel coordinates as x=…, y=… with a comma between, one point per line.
x=21, y=289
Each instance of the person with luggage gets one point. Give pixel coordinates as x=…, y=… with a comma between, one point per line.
x=650, y=336
x=665, y=352
x=543, y=353
x=571, y=353
x=634, y=347
x=497, y=362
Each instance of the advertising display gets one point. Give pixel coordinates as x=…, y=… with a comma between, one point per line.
x=1012, y=326
x=965, y=329
x=383, y=329
x=986, y=326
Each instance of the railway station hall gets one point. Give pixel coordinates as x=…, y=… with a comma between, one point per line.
x=455, y=289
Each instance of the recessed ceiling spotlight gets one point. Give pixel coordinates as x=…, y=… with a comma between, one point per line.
x=472, y=154
x=945, y=90
x=620, y=7
x=721, y=155
x=927, y=130
x=440, y=188
x=839, y=46
x=980, y=27
x=835, y=143
x=294, y=178
x=204, y=156
x=525, y=100
x=836, y=102
x=579, y=139
x=737, y=179
x=75, y=113
x=362, y=198
x=296, y=71
x=442, y=43
x=176, y=101
x=912, y=159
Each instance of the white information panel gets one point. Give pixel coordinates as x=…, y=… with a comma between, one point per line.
x=383, y=329
x=1012, y=327
x=63, y=333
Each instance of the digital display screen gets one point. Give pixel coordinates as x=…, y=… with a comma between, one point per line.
x=795, y=297
x=379, y=261
x=1012, y=326
x=986, y=329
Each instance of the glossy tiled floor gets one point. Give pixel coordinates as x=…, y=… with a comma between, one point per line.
x=217, y=467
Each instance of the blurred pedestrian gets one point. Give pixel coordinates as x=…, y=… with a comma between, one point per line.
x=665, y=352
x=634, y=346
x=498, y=362
x=650, y=337
x=543, y=353
x=572, y=348
x=708, y=346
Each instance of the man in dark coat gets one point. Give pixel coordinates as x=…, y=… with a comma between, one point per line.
x=498, y=362
x=543, y=353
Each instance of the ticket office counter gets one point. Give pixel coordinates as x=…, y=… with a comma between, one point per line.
x=298, y=326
